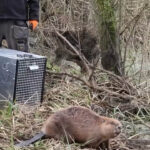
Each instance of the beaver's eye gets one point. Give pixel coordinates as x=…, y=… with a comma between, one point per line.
x=103, y=120
x=112, y=123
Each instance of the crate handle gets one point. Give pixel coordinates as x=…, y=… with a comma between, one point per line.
x=33, y=67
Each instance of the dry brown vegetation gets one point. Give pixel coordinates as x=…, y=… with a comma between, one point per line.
x=124, y=98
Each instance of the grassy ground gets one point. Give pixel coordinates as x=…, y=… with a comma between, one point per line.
x=22, y=122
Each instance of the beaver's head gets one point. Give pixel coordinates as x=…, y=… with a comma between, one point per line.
x=110, y=128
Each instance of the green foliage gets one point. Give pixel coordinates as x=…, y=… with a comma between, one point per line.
x=6, y=117
x=6, y=114
x=107, y=17
x=51, y=67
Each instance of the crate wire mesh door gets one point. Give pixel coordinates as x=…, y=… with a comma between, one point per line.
x=29, y=84
x=26, y=76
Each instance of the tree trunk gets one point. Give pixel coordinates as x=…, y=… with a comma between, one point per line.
x=111, y=59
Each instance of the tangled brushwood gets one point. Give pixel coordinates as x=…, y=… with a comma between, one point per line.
x=85, y=45
x=61, y=31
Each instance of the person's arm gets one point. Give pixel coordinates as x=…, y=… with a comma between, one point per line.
x=33, y=12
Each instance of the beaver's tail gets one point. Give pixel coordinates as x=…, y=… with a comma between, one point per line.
x=37, y=137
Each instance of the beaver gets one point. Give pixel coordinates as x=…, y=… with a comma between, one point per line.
x=78, y=124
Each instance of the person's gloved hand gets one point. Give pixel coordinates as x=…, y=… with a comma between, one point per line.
x=33, y=24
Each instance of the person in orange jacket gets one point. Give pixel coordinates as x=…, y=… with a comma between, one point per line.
x=14, y=18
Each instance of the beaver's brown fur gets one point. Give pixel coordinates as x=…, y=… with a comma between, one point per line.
x=79, y=124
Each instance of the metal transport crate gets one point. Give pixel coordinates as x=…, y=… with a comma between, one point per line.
x=21, y=76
